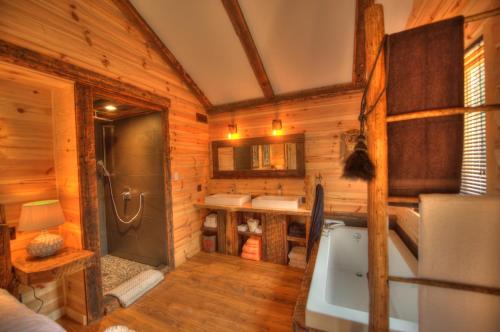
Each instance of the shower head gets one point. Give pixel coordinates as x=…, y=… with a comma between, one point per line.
x=100, y=163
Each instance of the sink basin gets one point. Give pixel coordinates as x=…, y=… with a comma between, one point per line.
x=276, y=202
x=227, y=199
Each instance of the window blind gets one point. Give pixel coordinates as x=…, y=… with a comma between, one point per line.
x=473, y=180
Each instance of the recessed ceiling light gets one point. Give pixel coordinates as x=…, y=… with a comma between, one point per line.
x=110, y=107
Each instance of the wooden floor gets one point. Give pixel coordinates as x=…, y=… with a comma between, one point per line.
x=212, y=292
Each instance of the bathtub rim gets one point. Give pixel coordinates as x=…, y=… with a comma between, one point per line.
x=318, y=306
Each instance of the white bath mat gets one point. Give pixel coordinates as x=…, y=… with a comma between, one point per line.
x=132, y=289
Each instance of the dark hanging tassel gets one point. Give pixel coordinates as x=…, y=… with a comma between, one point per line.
x=358, y=165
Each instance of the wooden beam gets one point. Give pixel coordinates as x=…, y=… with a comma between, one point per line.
x=6, y=275
x=237, y=18
x=20, y=56
x=378, y=229
x=297, y=96
x=88, y=197
x=441, y=112
x=447, y=284
x=398, y=199
x=152, y=38
x=483, y=15
x=359, y=70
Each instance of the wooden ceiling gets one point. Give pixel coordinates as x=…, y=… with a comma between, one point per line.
x=248, y=53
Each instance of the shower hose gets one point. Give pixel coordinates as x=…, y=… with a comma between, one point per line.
x=141, y=197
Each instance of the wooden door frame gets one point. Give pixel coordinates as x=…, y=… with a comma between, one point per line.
x=87, y=86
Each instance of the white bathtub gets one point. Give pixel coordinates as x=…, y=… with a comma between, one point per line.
x=338, y=297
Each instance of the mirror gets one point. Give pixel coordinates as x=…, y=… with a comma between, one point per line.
x=281, y=156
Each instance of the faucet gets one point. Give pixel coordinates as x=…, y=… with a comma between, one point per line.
x=331, y=224
x=233, y=188
x=280, y=189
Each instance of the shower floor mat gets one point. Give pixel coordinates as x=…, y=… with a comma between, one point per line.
x=116, y=270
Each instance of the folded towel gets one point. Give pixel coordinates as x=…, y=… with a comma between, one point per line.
x=296, y=229
x=254, y=257
x=297, y=254
x=243, y=228
x=210, y=224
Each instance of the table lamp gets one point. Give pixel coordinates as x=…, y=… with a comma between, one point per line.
x=39, y=216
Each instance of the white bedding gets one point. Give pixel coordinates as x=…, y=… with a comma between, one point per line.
x=15, y=316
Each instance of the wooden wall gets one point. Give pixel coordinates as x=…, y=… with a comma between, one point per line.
x=322, y=121
x=27, y=158
x=28, y=170
x=95, y=35
x=428, y=11
x=34, y=167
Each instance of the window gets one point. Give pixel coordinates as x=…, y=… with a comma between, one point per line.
x=474, y=158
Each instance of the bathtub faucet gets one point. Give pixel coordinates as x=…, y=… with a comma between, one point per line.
x=331, y=224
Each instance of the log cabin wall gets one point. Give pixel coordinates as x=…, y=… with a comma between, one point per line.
x=323, y=121
x=39, y=162
x=95, y=35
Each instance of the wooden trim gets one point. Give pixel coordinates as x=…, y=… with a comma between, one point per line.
x=291, y=97
x=483, y=15
x=378, y=232
x=152, y=38
x=167, y=175
x=441, y=112
x=240, y=26
x=403, y=235
x=84, y=96
x=27, y=58
x=88, y=197
x=398, y=199
x=447, y=284
x=166, y=160
x=359, y=70
x=243, y=174
x=6, y=275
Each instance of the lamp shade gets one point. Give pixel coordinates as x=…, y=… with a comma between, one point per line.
x=40, y=215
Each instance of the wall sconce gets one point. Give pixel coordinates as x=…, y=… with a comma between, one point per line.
x=232, y=128
x=277, y=126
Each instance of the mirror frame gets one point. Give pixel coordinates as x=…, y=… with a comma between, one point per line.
x=300, y=172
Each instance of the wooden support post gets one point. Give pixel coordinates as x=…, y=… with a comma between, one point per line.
x=377, y=188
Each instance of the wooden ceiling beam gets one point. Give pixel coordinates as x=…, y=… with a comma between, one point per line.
x=152, y=38
x=235, y=14
x=298, y=96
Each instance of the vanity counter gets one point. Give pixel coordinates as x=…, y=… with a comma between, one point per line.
x=301, y=211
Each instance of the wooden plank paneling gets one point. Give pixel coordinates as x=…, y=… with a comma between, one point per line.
x=27, y=163
x=142, y=26
x=322, y=121
x=95, y=35
x=291, y=97
x=34, y=118
x=428, y=11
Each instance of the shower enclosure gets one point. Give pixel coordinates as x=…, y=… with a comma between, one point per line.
x=131, y=184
